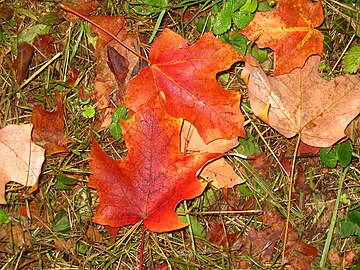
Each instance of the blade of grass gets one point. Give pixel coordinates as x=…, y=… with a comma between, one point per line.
x=157, y=25
x=325, y=252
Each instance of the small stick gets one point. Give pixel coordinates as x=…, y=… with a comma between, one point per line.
x=64, y=7
x=39, y=70
x=289, y=198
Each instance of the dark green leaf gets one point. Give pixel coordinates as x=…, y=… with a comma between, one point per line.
x=259, y=54
x=328, y=157
x=61, y=222
x=242, y=19
x=222, y=22
x=64, y=182
x=238, y=41
x=204, y=24
x=115, y=130
x=344, y=153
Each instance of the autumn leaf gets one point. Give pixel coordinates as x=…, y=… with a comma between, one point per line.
x=20, y=158
x=24, y=55
x=107, y=82
x=154, y=177
x=49, y=128
x=185, y=78
x=290, y=32
x=83, y=7
x=303, y=103
x=219, y=172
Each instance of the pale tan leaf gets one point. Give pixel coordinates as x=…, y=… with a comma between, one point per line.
x=221, y=174
x=20, y=158
x=303, y=103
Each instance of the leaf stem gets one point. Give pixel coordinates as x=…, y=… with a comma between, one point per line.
x=291, y=179
x=142, y=246
x=64, y=7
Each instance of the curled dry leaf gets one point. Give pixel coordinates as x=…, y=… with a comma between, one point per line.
x=49, y=128
x=20, y=158
x=219, y=171
x=185, y=78
x=303, y=103
x=110, y=56
x=24, y=55
x=290, y=32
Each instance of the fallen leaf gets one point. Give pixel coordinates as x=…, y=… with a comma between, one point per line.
x=191, y=142
x=219, y=171
x=49, y=128
x=83, y=7
x=221, y=174
x=305, y=149
x=107, y=81
x=24, y=55
x=217, y=234
x=260, y=244
x=93, y=234
x=152, y=180
x=290, y=32
x=20, y=158
x=185, y=78
x=260, y=163
x=117, y=64
x=113, y=24
x=305, y=104
x=45, y=44
x=6, y=13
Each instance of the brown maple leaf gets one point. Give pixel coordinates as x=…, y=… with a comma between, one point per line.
x=185, y=78
x=20, y=159
x=290, y=32
x=152, y=180
x=105, y=83
x=49, y=128
x=303, y=103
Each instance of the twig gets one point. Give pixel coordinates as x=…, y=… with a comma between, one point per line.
x=39, y=70
x=106, y=31
x=291, y=179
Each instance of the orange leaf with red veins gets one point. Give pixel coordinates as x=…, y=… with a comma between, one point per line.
x=290, y=32
x=185, y=78
x=304, y=103
x=20, y=158
x=152, y=180
x=49, y=128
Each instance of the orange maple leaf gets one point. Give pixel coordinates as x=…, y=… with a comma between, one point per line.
x=185, y=78
x=303, y=103
x=152, y=180
x=290, y=32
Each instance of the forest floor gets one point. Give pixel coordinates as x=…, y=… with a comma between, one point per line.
x=51, y=228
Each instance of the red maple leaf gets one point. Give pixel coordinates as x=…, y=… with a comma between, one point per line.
x=185, y=78
x=152, y=180
x=290, y=32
